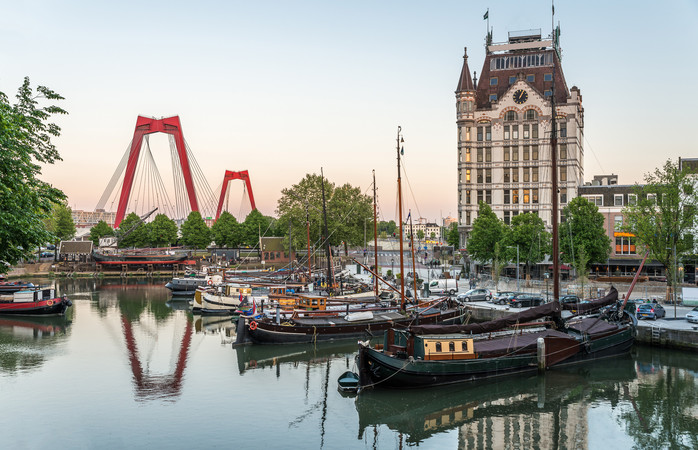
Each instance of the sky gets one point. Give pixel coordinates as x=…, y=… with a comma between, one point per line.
x=283, y=88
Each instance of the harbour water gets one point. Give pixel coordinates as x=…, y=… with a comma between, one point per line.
x=131, y=368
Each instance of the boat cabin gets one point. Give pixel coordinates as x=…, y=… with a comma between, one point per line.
x=28, y=295
x=311, y=302
x=429, y=348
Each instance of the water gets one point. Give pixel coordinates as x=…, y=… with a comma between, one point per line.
x=129, y=368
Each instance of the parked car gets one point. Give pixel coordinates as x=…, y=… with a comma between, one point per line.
x=569, y=299
x=475, y=295
x=521, y=300
x=46, y=254
x=652, y=311
x=692, y=315
x=502, y=298
x=443, y=286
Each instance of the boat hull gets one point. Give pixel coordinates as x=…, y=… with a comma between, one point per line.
x=49, y=307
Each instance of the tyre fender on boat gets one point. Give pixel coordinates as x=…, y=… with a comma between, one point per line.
x=49, y=303
x=210, y=282
x=253, y=325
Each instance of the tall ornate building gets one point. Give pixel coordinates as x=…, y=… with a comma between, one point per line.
x=504, y=130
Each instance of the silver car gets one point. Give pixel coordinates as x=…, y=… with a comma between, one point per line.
x=475, y=295
x=692, y=315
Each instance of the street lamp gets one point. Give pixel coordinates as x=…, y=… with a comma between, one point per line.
x=517, y=265
x=392, y=262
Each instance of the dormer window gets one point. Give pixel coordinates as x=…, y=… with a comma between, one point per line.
x=548, y=93
x=493, y=81
x=548, y=77
x=493, y=97
x=530, y=78
x=512, y=80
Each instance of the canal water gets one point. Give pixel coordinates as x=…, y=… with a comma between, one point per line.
x=130, y=368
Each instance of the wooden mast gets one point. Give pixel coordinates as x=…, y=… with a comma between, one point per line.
x=330, y=278
x=375, y=237
x=399, y=207
x=414, y=267
x=554, y=173
x=307, y=231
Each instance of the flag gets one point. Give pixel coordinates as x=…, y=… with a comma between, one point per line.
x=240, y=296
x=254, y=308
x=487, y=15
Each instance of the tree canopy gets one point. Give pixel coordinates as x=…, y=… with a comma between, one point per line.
x=663, y=217
x=25, y=200
x=60, y=222
x=161, y=232
x=487, y=231
x=227, y=232
x=527, y=231
x=452, y=235
x=195, y=232
x=100, y=230
x=132, y=232
x=583, y=231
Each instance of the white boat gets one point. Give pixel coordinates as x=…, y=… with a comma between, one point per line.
x=224, y=299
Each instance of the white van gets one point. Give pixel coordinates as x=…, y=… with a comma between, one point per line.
x=443, y=286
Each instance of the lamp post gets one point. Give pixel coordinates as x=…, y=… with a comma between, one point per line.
x=392, y=269
x=517, y=265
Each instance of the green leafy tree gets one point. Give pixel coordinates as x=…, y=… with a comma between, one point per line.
x=25, y=140
x=195, y=232
x=255, y=224
x=663, y=217
x=387, y=227
x=528, y=232
x=347, y=211
x=487, y=231
x=453, y=236
x=227, y=232
x=432, y=236
x=100, y=230
x=420, y=234
x=583, y=231
x=132, y=232
x=162, y=231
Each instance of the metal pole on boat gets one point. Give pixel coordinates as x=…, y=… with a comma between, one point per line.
x=375, y=236
x=278, y=314
x=399, y=201
x=541, y=355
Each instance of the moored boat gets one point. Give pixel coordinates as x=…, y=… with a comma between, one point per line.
x=8, y=287
x=34, y=302
x=224, y=299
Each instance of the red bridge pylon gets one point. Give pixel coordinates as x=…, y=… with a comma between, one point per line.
x=229, y=175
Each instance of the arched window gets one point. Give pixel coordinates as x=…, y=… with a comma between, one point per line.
x=531, y=114
x=438, y=346
x=510, y=115
x=451, y=346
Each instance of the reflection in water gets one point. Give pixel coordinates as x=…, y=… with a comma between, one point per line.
x=27, y=342
x=267, y=356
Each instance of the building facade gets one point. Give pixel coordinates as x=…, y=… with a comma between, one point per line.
x=504, y=132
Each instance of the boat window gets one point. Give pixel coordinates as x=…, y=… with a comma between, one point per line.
x=463, y=346
x=451, y=346
x=438, y=346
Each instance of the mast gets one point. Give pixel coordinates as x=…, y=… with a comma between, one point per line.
x=307, y=230
x=375, y=237
x=399, y=207
x=330, y=278
x=554, y=173
x=414, y=267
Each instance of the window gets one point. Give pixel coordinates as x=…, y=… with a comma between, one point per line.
x=617, y=223
x=493, y=81
x=467, y=133
x=488, y=197
x=548, y=77
x=488, y=175
x=467, y=175
x=563, y=195
x=438, y=346
x=526, y=175
x=515, y=197
x=531, y=114
x=534, y=174
x=460, y=176
x=515, y=175
x=547, y=93
x=512, y=80
x=479, y=175
x=467, y=154
x=534, y=195
x=632, y=199
x=595, y=199
x=479, y=155
x=451, y=346
x=467, y=196
x=652, y=198
x=563, y=173
x=618, y=200
x=510, y=115
x=563, y=151
x=526, y=196
x=526, y=153
x=507, y=217
x=625, y=245
x=515, y=132
x=467, y=218
x=488, y=133
x=479, y=197
x=506, y=175
x=526, y=133
x=493, y=97
x=488, y=154
x=506, y=153
x=563, y=129
x=507, y=134
x=530, y=78
x=479, y=133
x=534, y=130
x=534, y=152
x=515, y=153
x=507, y=196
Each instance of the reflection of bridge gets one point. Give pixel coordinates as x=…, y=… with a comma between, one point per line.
x=156, y=386
x=142, y=188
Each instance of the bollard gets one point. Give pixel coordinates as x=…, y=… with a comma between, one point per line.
x=278, y=314
x=541, y=355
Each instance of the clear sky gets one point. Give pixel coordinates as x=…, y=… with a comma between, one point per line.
x=282, y=88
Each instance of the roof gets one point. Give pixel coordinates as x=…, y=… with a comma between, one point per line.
x=75, y=247
x=465, y=82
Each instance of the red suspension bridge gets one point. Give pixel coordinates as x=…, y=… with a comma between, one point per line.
x=141, y=187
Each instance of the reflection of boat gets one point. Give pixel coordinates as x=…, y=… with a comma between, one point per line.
x=263, y=356
x=33, y=302
x=214, y=324
x=8, y=287
x=426, y=412
x=139, y=256
x=35, y=327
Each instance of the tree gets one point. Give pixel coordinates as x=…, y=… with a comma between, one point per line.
x=25, y=140
x=227, y=232
x=453, y=236
x=387, y=227
x=347, y=211
x=132, y=232
x=100, y=230
x=487, y=231
x=528, y=232
x=583, y=231
x=420, y=235
x=162, y=231
x=662, y=218
x=195, y=232
x=255, y=225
